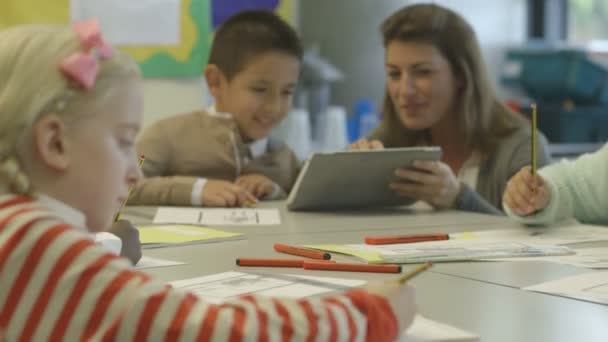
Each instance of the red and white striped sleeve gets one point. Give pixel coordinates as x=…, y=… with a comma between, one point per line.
x=56, y=284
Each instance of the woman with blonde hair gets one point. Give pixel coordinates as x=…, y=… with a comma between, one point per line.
x=438, y=93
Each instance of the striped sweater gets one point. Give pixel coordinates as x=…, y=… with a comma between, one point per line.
x=56, y=284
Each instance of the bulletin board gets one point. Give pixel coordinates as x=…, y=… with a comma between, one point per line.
x=199, y=18
x=185, y=60
x=223, y=9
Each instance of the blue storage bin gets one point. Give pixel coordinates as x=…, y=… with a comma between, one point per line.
x=582, y=124
x=555, y=76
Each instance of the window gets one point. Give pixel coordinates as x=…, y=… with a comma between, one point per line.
x=547, y=20
x=587, y=21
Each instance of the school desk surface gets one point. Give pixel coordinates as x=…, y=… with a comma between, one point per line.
x=481, y=297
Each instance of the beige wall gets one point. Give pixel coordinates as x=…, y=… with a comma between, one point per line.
x=165, y=97
x=347, y=32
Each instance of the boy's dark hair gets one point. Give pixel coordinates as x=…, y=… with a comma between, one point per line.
x=249, y=34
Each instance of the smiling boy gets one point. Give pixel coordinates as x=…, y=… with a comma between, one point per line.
x=222, y=156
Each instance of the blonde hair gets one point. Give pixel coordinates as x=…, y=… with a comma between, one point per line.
x=484, y=120
x=32, y=85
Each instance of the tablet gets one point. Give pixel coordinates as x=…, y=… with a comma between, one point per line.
x=354, y=179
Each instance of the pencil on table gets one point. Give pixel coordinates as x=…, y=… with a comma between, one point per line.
x=141, y=160
x=323, y=265
x=273, y=262
x=303, y=252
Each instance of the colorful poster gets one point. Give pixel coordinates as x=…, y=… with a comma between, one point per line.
x=187, y=58
x=222, y=10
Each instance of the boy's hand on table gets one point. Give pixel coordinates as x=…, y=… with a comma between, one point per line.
x=220, y=193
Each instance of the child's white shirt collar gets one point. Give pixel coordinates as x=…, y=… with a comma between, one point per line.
x=256, y=147
x=77, y=219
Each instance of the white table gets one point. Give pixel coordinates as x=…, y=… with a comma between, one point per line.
x=483, y=297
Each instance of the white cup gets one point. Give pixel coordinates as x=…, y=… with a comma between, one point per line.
x=295, y=132
x=334, y=136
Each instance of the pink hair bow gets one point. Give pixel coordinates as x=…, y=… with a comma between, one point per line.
x=82, y=67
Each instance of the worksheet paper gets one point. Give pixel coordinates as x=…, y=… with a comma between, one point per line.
x=223, y=286
x=149, y=262
x=219, y=287
x=426, y=330
x=155, y=236
x=217, y=217
x=545, y=240
x=560, y=235
x=448, y=250
x=591, y=287
x=595, y=258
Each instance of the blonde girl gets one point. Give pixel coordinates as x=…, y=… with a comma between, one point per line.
x=70, y=108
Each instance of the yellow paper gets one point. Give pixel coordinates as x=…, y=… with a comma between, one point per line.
x=371, y=257
x=463, y=236
x=180, y=234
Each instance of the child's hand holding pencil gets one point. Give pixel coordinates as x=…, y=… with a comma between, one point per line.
x=220, y=193
x=526, y=193
x=256, y=184
x=402, y=300
x=400, y=295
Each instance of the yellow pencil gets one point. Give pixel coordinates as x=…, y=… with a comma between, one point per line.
x=141, y=161
x=534, y=139
x=415, y=272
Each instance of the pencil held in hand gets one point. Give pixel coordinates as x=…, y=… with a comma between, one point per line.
x=415, y=272
x=534, y=142
x=140, y=161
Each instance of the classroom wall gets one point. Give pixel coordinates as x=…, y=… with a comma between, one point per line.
x=347, y=32
x=165, y=97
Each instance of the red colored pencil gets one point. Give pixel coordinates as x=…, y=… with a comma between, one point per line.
x=393, y=239
x=268, y=262
x=324, y=266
